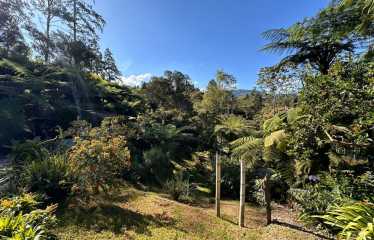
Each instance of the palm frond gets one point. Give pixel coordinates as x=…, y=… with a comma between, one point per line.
x=276, y=35
x=246, y=148
x=231, y=124
x=275, y=138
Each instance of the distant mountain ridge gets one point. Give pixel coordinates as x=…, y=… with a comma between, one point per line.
x=241, y=92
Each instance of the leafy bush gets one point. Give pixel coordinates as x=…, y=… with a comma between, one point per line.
x=352, y=221
x=314, y=200
x=157, y=163
x=20, y=219
x=51, y=177
x=98, y=159
x=332, y=189
x=10, y=68
x=28, y=151
x=177, y=187
x=24, y=203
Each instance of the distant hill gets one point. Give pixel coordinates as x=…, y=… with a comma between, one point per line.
x=240, y=92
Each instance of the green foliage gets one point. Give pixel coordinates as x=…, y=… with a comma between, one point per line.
x=12, y=120
x=316, y=41
x=273, y=124
x=11, y=68
x=218, y=97
x=20, y=219
x=314, y=200
x=364, y=25
x=27, y=152
x=229, y=125
x=331, y=190
x=98, y=158
x=177, y=187
x=24, y=203
x=157, y=162
x=51, y=177
x=247, y=149
x=174, y=90
x=352, y=221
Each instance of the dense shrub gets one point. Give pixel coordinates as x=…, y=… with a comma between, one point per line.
x=98, y=159
x=331, y=189
x=157, y=163
x=27, y=152
x=51, y=177
x=177, y=187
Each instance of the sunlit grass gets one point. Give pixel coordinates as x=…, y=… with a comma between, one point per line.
x=132, y=214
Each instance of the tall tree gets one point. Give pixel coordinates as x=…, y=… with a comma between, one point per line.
x=171, y=91
x=83, y=20
x=12, y=16
x=84, y=23
x=110, y=69
x=51, y=10
x=228, y=126
x=245, y=149
x=218, y=98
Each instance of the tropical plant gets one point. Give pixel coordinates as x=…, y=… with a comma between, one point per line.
x=366, y=8
x=313, y=41
x=352, y=221
x=228, y=126
x=51, y=177
x=28, y=151
x=21, y=219
x=177, y=186
x=24, y=203
x=328, y=189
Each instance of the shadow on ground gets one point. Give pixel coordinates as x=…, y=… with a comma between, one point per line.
x=302, y=229
x=110, y=217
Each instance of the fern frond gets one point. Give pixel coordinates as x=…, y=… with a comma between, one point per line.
x=275, y=138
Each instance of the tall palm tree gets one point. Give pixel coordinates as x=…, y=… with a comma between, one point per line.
x=246, y=149
x=313, y=41
x=228, y=126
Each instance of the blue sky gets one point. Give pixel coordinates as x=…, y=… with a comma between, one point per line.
x=197, y=37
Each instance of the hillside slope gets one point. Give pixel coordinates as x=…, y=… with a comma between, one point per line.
x=133, y=214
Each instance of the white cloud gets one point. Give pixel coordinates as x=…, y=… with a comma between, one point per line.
x=135, y=80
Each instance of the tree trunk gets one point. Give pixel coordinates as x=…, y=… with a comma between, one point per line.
x=242, y=193
x=48, y=38
x=75, y=21
x=74, y=29
x=267, y=199
x=218, y=184
x=46, y=54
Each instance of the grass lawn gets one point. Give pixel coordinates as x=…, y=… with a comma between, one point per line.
x=133, y=214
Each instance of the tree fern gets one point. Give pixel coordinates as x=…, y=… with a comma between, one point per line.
x=245, y=149
x=231, y=124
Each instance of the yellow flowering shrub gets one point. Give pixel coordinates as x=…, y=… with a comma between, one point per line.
x=98, y=159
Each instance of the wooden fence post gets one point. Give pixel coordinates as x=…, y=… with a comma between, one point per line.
x=242, y=193
x=267, y=199
x=218, y=185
